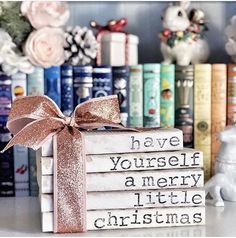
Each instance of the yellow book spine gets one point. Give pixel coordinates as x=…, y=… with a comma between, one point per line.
x=218, y=108
x=202, y=114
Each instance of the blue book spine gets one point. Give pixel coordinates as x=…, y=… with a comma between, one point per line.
x=120, y=76
x=21, y=168
x=7, y=187
x=82, y=83
x=67, y=89
x=102, y=81
x=35, y=82
x=52, y=77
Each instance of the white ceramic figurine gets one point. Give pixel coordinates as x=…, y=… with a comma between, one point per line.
x=230, y=33
x=182, y=36
x=222, y=186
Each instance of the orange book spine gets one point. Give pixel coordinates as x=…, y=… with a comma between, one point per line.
x=231, y=94
x=218, y=107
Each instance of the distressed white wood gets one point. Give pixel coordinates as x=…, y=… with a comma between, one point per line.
x=46, y=165
x=46, y=202
x=131, y=161
x=46, y=184
x=108, y=142
x=47, y=222
x=136, y=199
x=164, y=179
x=142, y=218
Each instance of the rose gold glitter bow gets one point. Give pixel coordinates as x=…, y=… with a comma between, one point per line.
x=34, y=119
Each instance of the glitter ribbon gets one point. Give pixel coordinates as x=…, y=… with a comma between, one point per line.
x=35, y=119
x=112, y=26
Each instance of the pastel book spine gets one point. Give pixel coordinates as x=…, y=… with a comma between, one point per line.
x=202, y=113
x=157, y=179
x=167, y=100
x=7, y=187
x=136, y=96
x=151, y=95
x=21, y=167
x=186, y=158
x=19, y=85
x=120, y=76
x=21, y=163
x=138, y=199
x=105, y=142
x=102, y=81
x=52, y=79
x=231, y=94
x=136, y=218
x=218, y=110
x=67, y=104
x=184, y=84
x=82, y=83
x=33, y=185
x=35, y=82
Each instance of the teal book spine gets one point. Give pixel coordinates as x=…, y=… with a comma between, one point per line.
x=151, y=95
x=136, y=96
x=35, y=82
x=167, y=100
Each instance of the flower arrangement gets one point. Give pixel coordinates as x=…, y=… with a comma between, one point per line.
x=32, y=34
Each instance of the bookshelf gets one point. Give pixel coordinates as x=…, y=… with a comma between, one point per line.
x=21, y=217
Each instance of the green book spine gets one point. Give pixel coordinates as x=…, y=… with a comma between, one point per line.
x=167, y=101
x=151, y=95
x=35, y=82
x=136, y=96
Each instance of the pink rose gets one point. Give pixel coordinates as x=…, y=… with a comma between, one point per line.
x=43, y=13
x=45, y=47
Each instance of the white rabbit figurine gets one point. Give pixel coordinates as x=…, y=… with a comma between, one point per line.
x=181, y=40
x=223, y=184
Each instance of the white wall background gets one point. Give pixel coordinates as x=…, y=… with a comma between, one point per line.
x=144, y=20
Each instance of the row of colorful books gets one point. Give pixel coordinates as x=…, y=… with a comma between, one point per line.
x=192, y=98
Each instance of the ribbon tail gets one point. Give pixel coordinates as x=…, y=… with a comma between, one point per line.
x=69, y=182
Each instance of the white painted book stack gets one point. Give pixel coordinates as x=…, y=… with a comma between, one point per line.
x=134, y=180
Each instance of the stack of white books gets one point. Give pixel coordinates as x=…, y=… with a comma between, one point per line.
x=134, y=180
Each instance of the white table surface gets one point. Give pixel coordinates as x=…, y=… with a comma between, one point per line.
x=21, y=217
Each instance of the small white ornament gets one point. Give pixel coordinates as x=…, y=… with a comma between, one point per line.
x=230, y=33
x=222, y=186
